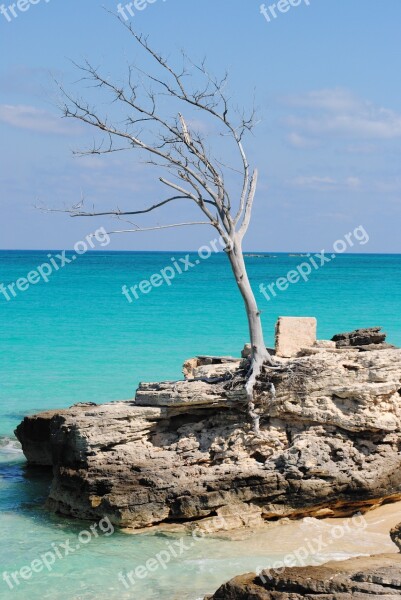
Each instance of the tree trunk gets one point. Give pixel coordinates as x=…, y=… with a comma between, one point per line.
x=259, y=353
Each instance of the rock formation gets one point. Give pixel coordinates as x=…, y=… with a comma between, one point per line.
x=356, y=579
x=371, y=338
x=182, y=451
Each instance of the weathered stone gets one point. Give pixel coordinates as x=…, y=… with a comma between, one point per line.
x=246, y=351
x=395, y=535
x=329, y=445
x=36, y=439
x=361, y=337
x=325, y=344
x=294, y=333
x=189, y=367
x=356, y=579
x=181, y=393
x=235, y=516
x=209, y=366
x=368, y=347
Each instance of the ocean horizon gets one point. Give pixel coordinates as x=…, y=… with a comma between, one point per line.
x=76, y=338
x=175, y=416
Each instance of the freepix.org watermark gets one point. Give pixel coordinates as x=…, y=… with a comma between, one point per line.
x=44, y=271
x=174, y=550
x=312, y=551
x=58, y=551
x=177, y=267
x=12, y=11
x=313, y=263
x=272, y=11
x=130, y=9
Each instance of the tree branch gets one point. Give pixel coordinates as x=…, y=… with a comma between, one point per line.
x=248, y=205
x=157, y=227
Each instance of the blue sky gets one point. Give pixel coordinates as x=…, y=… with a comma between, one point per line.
x=327, y=86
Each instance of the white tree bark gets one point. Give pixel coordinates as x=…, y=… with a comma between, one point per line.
x=260, y=354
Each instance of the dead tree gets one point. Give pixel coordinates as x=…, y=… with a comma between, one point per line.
x=173, y=144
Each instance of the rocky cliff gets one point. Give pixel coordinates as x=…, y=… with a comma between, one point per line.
x=356, y=579
x=182, y=451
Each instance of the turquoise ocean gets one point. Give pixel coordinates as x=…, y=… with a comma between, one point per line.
x=76, y=338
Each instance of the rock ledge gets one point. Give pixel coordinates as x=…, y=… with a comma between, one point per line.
x=183, y=451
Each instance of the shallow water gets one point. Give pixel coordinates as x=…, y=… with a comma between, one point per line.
x=99, y=569
x=77, y=339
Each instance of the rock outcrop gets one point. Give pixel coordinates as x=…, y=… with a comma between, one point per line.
x=182, y=451
x=356, y=579
x=371, y=338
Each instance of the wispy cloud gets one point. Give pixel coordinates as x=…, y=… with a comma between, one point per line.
x=299, y=141
x=333, y=100
x=342, y=113
x=34, y=119
x=326, y=184
x=353, y=183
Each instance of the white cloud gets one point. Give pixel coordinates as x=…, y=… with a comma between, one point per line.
x=326, y=184
x=299, y=141
x=340, y=112
x=34, y=119
x=353, y=183
x=315, y=183
x=334, y=100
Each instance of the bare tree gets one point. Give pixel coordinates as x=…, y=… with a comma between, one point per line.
x=173, y=144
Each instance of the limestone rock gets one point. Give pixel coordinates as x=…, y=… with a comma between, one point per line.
x=395, y=535
x=325, y=344
x=183, y=451
x=371, y=338
x=209, y=367
x=180, y=394
x=356, y=579
x=36, y=440
x=246, y=352
x=294, y=333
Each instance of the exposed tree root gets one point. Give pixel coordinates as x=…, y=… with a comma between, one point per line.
x=258, y=363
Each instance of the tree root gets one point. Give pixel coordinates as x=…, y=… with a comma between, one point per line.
x=256, y=367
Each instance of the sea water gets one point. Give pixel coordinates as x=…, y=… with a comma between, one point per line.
x=77, y=338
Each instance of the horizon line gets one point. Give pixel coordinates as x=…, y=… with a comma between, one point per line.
x=245, y=252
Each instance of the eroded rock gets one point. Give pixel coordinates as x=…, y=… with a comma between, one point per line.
x=356, y=579
x=183, y=451
x=395, y=535
x=371, y=338
x=209, y=367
